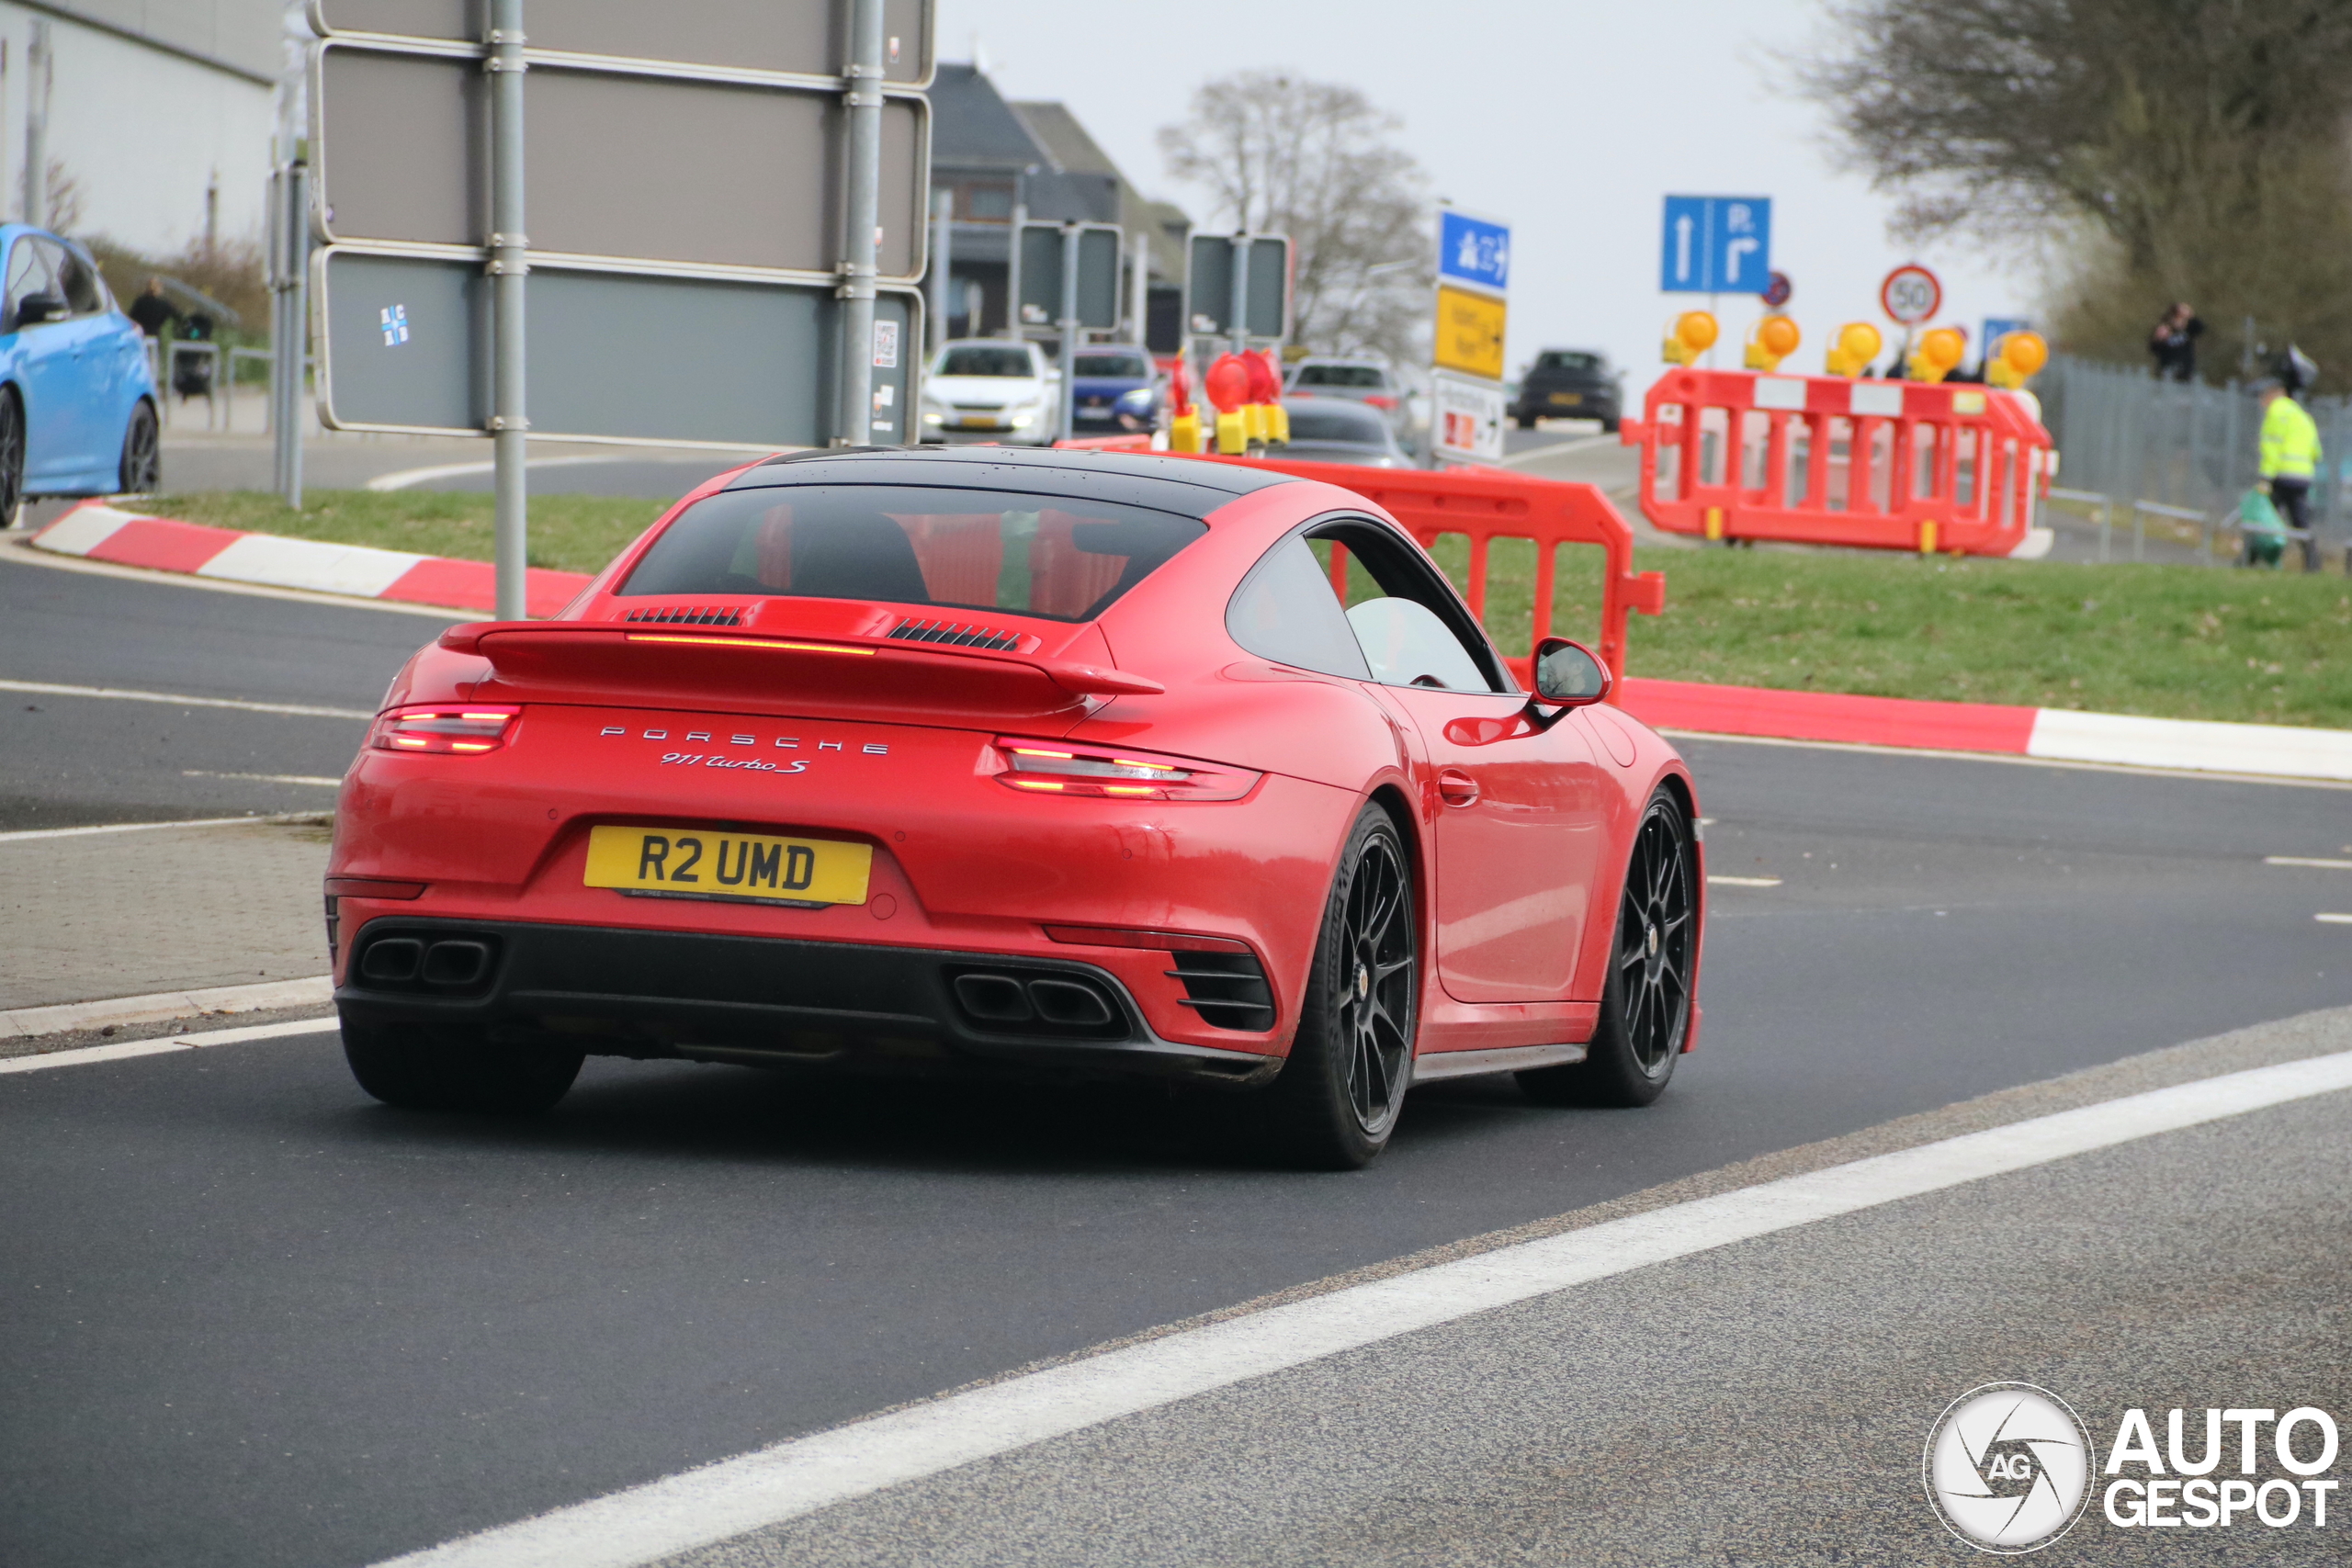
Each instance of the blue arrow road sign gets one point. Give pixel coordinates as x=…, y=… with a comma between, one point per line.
x=1473, y=251
x=1716, y=244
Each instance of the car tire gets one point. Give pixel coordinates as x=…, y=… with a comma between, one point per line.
x=1526, y=422
x=443, y=1067
x=12, y=457
x=143, y=458
x=1337, y=1098
x=1645, y=998
x=1609, y=425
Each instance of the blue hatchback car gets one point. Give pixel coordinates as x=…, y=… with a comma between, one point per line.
x=77, y=400
x=1118, y=392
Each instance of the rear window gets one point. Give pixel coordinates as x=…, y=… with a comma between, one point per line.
x=1563, y=360
x=985, y=361
x=1133, y=366
x=1365, y=378
x=1317, y=420
x=1051, y=556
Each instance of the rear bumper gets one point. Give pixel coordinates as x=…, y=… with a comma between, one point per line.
x=769, y=1000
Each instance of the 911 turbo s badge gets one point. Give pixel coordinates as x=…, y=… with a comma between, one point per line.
x=782, y=765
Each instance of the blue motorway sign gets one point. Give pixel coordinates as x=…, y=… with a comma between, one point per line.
x=1473, y=251
x=1716, y=244
x=1998, y=327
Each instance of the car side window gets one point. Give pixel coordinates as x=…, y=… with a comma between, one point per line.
x=78, y=281
x=1411, y=627
x=1286, y=611
x=30, y=271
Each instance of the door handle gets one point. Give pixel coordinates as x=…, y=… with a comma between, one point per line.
x=1456, y=787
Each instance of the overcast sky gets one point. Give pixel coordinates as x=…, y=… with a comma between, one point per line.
x=1569, y=118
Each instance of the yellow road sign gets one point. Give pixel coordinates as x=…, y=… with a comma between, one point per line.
x=1470, y=333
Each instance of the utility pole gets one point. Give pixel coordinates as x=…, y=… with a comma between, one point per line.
x=1241, y=294
x=1065, y=419
x=1012, y=259
x=854, y=424
x=1139, y=290
x=943, y=284
x=38, y=76
x=509, y=266
x=290, y=271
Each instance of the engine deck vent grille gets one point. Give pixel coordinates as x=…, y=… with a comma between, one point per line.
x=690, y=615
x=957, y=633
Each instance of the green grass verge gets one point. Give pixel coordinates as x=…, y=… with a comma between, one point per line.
x=570, y=533
x=2170, y=641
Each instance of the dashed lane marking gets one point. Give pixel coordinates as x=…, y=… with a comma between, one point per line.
x=2306, y=859
x=2334, y=919
x=1714, y=881
x=732, y=1497
x=322, y=781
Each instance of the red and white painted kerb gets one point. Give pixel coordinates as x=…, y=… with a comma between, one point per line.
x=97, y=532
x=2058, y=735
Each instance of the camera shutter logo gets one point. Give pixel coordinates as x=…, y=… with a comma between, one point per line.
x=2008, y=1467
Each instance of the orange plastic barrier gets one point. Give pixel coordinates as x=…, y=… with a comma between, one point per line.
x=1821, y=459
x=1484, y=505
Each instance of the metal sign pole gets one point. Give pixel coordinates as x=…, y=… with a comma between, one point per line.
x=1241, y=294
x=854, y=426
x=290, y=338
x=1064, y=421
x=508, y=268
x=942, y=226
x=1012, y=264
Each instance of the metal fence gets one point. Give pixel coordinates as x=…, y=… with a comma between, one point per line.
x=2130, y=438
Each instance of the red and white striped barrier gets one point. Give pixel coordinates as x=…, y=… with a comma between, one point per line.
x=103, y=533
x=97, y=532
x=2059, y=735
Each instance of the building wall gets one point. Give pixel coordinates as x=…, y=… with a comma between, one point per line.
x=147, y=103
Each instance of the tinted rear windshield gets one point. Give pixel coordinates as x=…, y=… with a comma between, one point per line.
x=1568, y=360
x=1319, y=419
x=1370, y=377
x=972, y=549
x=986, y=362
x=1133, y=366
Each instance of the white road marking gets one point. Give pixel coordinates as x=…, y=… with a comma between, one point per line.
x=733, y=1496
x=48, y=689
x=1938, y=755
x=1555, y=448
x=2334, y=919
x=266, y=778
x=22, y=834
x=407, y=477
x=1713, y=880
x=165, y=1042
x=2302, y=860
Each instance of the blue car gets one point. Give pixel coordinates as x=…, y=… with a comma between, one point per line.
x=77, y=400
x=1117, y=390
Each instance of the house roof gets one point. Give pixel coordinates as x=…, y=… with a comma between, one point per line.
x=973, y=129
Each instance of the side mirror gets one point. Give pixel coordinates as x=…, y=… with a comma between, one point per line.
x=35, y=309
x=1568, y=675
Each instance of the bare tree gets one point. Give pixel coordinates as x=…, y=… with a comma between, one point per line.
x=2177, y=149
x=1312, y=160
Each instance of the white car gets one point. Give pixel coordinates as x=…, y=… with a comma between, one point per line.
x=991, y=389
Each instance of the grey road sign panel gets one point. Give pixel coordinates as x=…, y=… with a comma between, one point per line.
x=639, y=168
x=1100, y=247
x=1208, y=283
x=1208, y=304
x=1269, y=286
x=804, y=38
x=612, y=355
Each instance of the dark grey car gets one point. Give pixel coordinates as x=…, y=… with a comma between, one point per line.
x=1569, y=383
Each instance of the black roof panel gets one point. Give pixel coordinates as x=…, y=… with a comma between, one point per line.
x=1139, y=479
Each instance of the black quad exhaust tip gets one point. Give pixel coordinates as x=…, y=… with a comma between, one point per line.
x=456, y=963
x=1069, y=1003
x=993, y=998
x=392, y=960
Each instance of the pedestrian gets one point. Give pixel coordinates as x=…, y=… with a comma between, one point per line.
x=2291, y=458
x=151, y=312
x=2174, y=343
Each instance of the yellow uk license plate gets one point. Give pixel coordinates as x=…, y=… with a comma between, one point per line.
x=706, y=863
x=981, y=422
x=1570, y=399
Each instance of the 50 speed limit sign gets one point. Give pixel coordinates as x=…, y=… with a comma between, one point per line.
x=1911, y=295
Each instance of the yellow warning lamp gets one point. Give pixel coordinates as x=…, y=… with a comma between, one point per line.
x=1851, y=351
x=1938, y=354
x=1692, y=333
x=2023, y=354
x=1771, y=340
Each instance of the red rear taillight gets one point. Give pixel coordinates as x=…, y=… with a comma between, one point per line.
x=1379, y=401
x=448, y=727
x=1055, y=767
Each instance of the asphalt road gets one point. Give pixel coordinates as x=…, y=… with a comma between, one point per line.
x=250, y=1317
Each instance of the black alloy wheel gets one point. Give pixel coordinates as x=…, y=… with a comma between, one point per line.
x=143, y=456
x=1337, y=1098
x=12, y=457
x=1645, y=998
x=443, y=1067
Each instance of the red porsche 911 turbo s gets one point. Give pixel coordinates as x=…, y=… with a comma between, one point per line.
x=980, y=760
